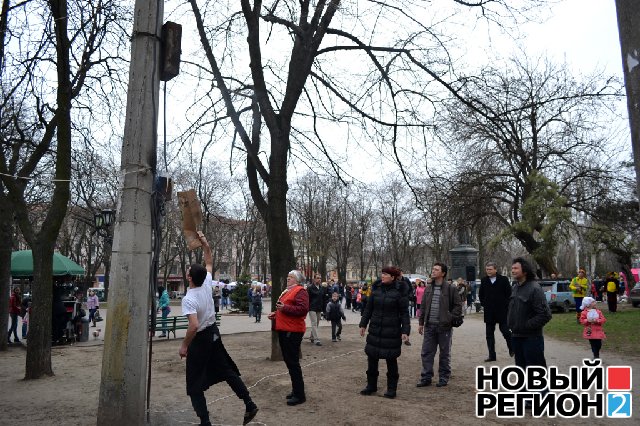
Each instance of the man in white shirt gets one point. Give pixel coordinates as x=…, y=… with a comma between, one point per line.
x=208, y=362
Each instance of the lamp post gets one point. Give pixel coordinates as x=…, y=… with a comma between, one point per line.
x=103, y=221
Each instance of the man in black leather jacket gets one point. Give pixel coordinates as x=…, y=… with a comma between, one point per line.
x=528, y=314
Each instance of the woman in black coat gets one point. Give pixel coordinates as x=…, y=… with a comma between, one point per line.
x=387, y=315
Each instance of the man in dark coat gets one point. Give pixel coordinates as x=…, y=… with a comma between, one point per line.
x=495, y=292
x=527, y=315
x=316, y=307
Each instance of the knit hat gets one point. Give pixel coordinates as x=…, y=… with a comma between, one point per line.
x=586, y=302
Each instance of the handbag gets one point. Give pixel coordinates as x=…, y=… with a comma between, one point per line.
x=457, y=322
x=96, y=316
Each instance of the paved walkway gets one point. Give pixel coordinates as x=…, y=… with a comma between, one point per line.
x=236, y=323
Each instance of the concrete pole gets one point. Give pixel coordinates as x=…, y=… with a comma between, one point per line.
x=124, y=363
x=628, y=12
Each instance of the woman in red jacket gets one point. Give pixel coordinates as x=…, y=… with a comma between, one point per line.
x=14, y=310
x=289, y=317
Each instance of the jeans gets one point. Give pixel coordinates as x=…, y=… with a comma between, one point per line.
x=432, y=340
x=92, y=314
x=14, y=328
x=290, y=346
x=529, y=351
x=578, y=301
x=165, y=314
x=491, y=339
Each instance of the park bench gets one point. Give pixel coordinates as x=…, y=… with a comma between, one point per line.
x=178, y=322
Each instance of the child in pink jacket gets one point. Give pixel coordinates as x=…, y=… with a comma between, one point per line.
x=592, y=319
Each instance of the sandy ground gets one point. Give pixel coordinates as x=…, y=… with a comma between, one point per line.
x=334, y=374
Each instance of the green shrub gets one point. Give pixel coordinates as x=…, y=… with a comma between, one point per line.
x=239, y=297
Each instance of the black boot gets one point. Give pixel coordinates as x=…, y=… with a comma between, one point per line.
x=372, y=383
x=392, y=385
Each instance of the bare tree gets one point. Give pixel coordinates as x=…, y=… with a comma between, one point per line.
x=524, y=127
x=73, y=38
x=290, y=95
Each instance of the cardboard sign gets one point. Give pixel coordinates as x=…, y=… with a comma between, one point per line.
x=191, y=217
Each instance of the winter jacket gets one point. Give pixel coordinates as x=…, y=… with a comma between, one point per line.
x=93, y=302
x=163, y=302
x=597, y=332
x=14, y=304
x=578, y=287
x=528, y=310
x=315, y=298
x=419, y=295
x=450, y=306
x=495, y=299
x=334, y=311
x=294, y=311
x=387, y=315
x=257, y=299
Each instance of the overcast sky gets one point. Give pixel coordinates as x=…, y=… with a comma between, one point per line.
x=582, y=33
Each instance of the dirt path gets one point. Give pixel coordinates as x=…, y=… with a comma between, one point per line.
x=334, y=374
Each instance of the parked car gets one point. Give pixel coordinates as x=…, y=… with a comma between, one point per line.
x=176, y=295
x=634, y=295
x=558, y=295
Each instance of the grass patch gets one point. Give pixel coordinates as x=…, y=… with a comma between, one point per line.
x=621, y=329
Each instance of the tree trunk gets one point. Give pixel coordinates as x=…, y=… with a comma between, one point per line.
x=628, y=23
x=280, y=247
x=38, y=361
x=322, y=267
x=6, y=236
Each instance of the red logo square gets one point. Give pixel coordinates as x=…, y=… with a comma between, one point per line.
x=619, y=378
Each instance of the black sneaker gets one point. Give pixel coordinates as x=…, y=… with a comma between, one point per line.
x=441, y=383
x=423, y=383
x=296, y=400
x=250, y=414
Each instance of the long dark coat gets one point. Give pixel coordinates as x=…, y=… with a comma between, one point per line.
x=495, y=299
x=387, y=315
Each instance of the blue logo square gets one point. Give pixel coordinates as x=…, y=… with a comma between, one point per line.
x=619, y=405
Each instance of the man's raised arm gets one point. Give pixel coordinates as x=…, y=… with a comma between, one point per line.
x=206, y=250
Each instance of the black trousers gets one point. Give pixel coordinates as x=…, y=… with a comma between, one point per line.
x=290, y=346
x=199, y=401
x=491, y=338
x=596, y=345
x=336, y=324
x=392, y=366
x=612, y=301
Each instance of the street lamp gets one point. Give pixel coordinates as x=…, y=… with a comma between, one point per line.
x=102, y=221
